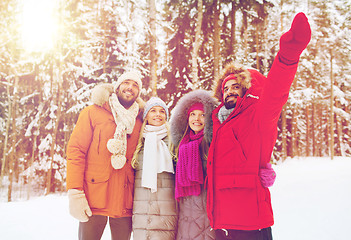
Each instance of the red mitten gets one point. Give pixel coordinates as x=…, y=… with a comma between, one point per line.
x=294, y=41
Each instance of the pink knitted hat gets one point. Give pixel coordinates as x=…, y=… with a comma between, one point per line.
x=196, y=106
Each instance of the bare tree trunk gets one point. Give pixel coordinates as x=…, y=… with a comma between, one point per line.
x=307, y=149
x=233, y=24
x=153, y=53
x=105, y=40
x=34, y=148
x=322, y=139
x=294, y=136
x=245, y=33
x=58, y=78
x=340, y=133
x=265, y=46
x=331, y=143
x=54, y=134
x=293, y=132
x=53, y=143
x=12, y=156
x=196, y=45
x=258, y=49
x=8, y=121
x=30, y=178
x=313, y=129
x=216, y=40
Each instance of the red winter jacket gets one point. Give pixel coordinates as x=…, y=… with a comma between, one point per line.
x=241, y=145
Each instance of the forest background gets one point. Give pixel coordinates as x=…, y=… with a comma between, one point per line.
x=52, y=53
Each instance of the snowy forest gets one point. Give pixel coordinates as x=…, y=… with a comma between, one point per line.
x=53, y=52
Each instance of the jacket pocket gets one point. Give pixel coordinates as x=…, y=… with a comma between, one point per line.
x=236, y=199
x=96, y=189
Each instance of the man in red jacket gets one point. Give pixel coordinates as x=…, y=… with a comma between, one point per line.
x=244, y=134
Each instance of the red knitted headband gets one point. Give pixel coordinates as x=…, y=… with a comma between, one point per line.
x=229, y=77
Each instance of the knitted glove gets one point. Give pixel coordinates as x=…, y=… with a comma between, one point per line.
x=293, y=42
x=267, y=175
x=78, y=205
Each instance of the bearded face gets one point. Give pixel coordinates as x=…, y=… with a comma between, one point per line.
x=127, y=93
x=231, y=91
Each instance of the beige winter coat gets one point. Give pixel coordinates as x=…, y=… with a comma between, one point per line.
x=154, y=214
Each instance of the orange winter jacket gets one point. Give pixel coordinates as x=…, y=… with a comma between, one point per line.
x=109, y=191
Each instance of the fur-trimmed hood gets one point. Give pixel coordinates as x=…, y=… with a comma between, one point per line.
x=178, y=122
x=247, y=78
x=101, y=93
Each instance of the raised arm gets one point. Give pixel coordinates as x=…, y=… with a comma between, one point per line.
x=282, y=73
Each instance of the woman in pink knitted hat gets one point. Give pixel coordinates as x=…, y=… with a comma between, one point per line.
x=191, y=133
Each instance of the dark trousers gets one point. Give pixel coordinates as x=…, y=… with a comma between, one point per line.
x=231, y=234
x=121, y=228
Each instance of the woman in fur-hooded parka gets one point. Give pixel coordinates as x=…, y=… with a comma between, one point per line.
x=109, y=191
x=193, y=222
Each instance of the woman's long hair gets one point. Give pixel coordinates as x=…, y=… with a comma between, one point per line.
x=135, y=161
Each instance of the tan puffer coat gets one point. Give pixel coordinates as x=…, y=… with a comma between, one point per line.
x=154, y=214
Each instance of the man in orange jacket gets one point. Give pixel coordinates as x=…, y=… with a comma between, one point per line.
x=244, y=134
x=100, y=178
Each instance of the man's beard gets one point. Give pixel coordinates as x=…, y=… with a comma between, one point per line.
x=230, y=104
x=126, y=103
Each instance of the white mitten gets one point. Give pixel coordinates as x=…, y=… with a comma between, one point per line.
x=78, y=205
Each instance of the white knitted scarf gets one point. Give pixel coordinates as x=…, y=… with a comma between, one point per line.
x=157, y=158
x=125, y=121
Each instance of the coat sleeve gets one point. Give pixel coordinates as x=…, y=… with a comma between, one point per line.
x=275, y=93
x=77, y=149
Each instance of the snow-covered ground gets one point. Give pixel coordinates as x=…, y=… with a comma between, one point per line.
x=311, y=201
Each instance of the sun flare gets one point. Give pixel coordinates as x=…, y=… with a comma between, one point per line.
x=39, y=25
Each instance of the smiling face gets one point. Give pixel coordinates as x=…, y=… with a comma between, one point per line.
x=231, y=91
x=156, y=116
x=127, y=93
x=196, y=120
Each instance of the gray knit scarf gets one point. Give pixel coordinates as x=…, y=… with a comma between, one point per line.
x=224, y=113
